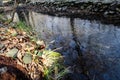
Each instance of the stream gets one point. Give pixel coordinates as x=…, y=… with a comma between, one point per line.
x=99, y=43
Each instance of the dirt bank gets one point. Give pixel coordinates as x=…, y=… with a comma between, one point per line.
x=10, y=70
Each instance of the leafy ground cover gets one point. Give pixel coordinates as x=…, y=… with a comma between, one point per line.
x=19, y=44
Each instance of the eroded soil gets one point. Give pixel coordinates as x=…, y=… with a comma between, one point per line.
x=10, y=70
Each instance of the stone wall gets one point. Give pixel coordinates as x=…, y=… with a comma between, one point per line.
x=105, y=1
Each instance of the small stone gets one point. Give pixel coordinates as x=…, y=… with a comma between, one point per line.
x=27, y=58
x=3, y=70
x=12, y=53
x=105, y=13
x=1, y=46
x=111, y=12
x=117, y=9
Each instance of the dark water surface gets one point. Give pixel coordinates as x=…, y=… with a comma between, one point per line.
x=99, y=43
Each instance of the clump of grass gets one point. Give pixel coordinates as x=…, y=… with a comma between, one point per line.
x=22, y=26
x=2, y=18
x=52, y=64
x=55, y=72
x=54, y=69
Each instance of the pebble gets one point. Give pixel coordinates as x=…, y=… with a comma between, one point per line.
x=3, y=70
x=1, y=46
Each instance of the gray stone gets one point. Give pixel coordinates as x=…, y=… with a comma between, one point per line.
x=1, y=46
x=12, y=53
x=3, y=70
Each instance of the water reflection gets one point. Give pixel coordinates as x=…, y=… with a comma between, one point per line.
x=101, y=42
